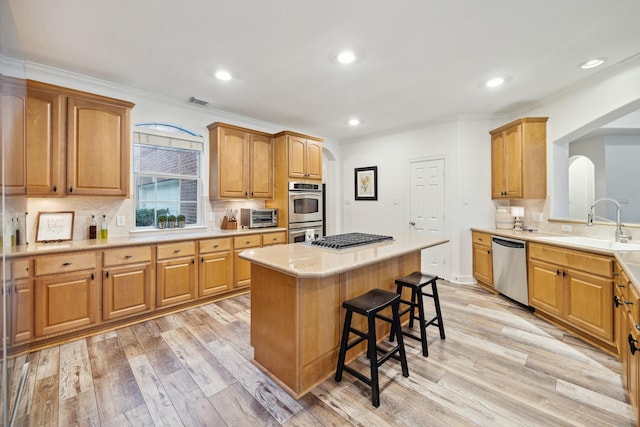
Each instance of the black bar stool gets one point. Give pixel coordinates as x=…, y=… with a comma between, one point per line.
x=369, y=305
x=416, y=281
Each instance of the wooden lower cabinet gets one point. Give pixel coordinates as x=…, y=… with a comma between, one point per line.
x=482, y=259
x=127, y=282
x=22, y=311
x=581, y=299
x=65, y=302
x=241, y=267
x=175, y=273
x=216, y=267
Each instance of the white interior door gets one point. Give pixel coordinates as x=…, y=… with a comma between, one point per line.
x=427, y=210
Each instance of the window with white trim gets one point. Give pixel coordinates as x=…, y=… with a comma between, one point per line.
x=167, y=164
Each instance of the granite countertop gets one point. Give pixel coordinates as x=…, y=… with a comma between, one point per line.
x=628, y=260
x=303, y=260
x=141, y=239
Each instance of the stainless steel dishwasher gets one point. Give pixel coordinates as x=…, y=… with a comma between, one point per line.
x=510, y=268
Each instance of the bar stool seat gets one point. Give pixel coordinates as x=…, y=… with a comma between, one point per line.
x=370, y=305
x=416, y=282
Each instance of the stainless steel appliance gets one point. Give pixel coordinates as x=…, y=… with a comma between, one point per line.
x=298, y=232
x=510, y=268
x=259, y=218
x=305, y=202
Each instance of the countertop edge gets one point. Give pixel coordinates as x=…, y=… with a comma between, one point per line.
x=246, y=255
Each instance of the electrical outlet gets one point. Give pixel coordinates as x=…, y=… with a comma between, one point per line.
x=120, y=220
x=565, y=227
x=212, y=216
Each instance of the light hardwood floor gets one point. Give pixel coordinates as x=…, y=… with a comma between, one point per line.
x=499, y=366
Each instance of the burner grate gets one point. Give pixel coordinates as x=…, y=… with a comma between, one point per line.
x=342, y=241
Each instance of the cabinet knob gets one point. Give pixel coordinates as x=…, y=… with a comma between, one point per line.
x=632, y=344
x=617, y=301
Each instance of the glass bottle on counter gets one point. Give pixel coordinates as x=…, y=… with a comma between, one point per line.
x=18, y=237
x=104, y=228
x=93, y=227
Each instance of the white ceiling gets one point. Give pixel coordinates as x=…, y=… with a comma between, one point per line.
x=419, y=61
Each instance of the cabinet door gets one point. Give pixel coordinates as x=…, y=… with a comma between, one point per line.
x=497, y=167
x=65, y=302
x=22, y=311
x=216, y=273
x=14, y=139
x=241, y=271
x=175, y=281
x=513, y=162
x=314, y=160
x=589, y=304
x=45, y=158
x=545, y=287
x=232, y=163
x=483, y=264
x=296, y=154
x=98, y=140
x=126, y=291
x=261, y=167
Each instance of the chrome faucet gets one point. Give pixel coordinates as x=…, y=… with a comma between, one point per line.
x=620, y=236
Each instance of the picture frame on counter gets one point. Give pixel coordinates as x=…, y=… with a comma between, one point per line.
x=55, y=226
x=366, y=183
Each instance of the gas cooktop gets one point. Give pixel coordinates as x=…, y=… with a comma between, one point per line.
x=348, y=240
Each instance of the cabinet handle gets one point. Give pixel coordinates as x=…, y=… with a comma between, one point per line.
x=215, y=246
x=557, y=272
x=128, y=256
x=617, y=301
x=628, y=302
x=176, y=251
x=201, y=259
x=71, y=189
x=620, y=285
x=615, y=274
x=66, y=264
x=489, y=252
x=55, y=188
x=632, y=344
x=92, y=277
x=193, y=261
x=107, y=274
x=564, y=274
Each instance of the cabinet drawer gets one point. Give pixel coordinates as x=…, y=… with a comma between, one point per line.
x=481, y=238
x=214, y=245
x=130, y=255
x=274, y=238
x=250, y=241
x=64, y=263
x=577, y=260
x=175, y=250
x=21, y=269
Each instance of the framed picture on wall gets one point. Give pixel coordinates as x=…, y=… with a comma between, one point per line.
x=54, y=226
x=366, y=183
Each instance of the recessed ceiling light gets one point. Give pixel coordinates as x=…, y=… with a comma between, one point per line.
x=346, y=57
x=354, y=122
x=223, y=75
x=592, y=63
x=495, y=82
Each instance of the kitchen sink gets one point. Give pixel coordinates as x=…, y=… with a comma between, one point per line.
x=592, y=243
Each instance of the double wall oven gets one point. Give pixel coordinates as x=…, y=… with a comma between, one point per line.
x=305, y=210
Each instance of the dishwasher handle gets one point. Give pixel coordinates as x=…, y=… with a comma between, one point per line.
x=508, y=243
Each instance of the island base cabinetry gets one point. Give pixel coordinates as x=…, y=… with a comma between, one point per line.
x=308, y=316
x=579, y=298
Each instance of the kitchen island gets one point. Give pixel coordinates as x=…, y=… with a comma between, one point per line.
x=297, y=292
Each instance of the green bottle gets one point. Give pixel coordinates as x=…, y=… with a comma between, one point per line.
x=104, y=229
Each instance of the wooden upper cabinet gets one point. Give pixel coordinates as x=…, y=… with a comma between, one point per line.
x=45, y=137
x=76, y=143
x=519, y=160
x=98, y=146
x=241, y=163
x=13, y=109
x=304, y=156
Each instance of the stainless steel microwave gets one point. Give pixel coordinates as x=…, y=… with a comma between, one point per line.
x=259, y=218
